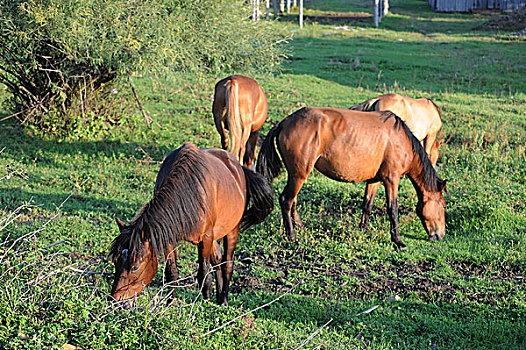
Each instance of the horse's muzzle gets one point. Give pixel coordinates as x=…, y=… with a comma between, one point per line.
x=436, y=237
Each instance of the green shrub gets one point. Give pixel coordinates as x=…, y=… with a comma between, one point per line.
x=61, y=59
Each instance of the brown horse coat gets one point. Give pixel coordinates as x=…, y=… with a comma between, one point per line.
x=421, y=115
x=352, y=146
x=200, y=196
x=240, y=106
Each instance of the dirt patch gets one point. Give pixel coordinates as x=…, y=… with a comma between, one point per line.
x=514, y=21
x=382, y=280
x=401, y=279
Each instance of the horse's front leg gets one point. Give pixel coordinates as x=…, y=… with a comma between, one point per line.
x=368, y=201
x=204, y=277
x=296, y=220
x=171, y=273
x=227, y=265
x=391, y=189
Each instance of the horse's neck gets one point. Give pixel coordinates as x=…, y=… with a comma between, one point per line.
x=416, y=175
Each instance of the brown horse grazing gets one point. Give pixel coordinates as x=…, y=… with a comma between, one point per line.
x=424, y=119
x=200, y=196
x=422, y=116
x=240, y=106
x=353, y=146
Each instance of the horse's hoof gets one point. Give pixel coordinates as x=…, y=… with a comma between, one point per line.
x=298, y=226
x=400, y=245
x=222, y=303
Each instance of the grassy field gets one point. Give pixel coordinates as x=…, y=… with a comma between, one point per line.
x=465, y=292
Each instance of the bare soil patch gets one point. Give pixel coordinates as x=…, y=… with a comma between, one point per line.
x=514, y=21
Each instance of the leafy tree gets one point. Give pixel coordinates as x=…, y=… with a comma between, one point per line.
x=60, y=59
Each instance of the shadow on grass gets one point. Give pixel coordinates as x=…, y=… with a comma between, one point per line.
x=393, y=324
x=20, y=145
x=362, y=61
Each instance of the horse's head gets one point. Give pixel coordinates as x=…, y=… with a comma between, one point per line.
x=432, y=213
x=132, y=274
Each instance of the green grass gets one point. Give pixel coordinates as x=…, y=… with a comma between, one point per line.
x=465, y=292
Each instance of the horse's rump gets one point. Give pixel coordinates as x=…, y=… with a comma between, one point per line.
x=240, y=106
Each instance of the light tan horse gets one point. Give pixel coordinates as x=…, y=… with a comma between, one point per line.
x=352, y=146
x=422, y=116
x=240, y=106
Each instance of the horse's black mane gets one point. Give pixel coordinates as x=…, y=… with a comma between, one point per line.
x=428, y=176
x=367, y=106
x=175, y=211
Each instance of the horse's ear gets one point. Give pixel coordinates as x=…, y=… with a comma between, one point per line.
x=120, y=224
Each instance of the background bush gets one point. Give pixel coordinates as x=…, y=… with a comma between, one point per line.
x=61, y=60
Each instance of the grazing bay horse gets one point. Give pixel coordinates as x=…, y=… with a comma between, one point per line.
x=424, y=119
x=352, y=146
x=422, y=116
x=200, y=196
x=240, y=106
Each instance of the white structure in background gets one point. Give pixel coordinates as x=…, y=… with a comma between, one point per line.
x=381, y=8
x=285, y=5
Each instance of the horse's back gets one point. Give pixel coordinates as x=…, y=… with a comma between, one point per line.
x=223, y=182
x=420, y=114
x=345, y=145
x=227, y=188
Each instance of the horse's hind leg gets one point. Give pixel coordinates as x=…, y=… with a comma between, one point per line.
x=227, y=265
x=368, y=201
x=204, y=277
x=245, y=135
x=431, y=146
x=287, y=201
x=219, y=111
x=250, y=152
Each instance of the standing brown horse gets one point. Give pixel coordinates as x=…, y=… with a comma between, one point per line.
x=422, y=116
x=200, y=196
x=240, y=106
x=424, y=119
x=351, y=146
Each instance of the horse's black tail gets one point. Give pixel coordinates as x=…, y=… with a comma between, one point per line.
x=269, y=164
x=261, y=195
